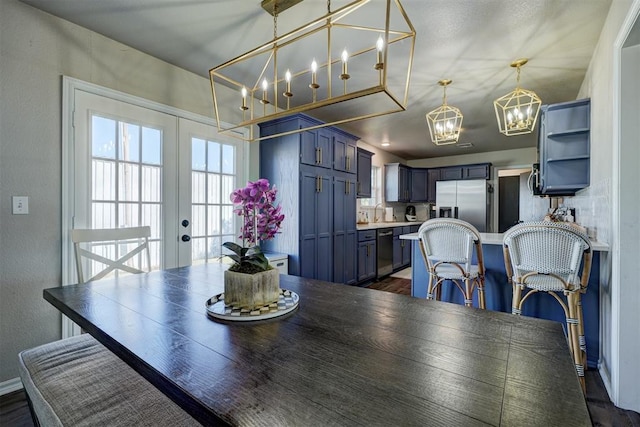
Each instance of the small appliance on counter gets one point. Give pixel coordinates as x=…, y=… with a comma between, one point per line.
x=388, y=215
x=410, y=213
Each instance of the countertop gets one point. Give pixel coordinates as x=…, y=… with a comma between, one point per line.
x=376, y=225
x=496, y=239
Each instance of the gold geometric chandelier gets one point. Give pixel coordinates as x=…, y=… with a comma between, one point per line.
x=349, y=64
x=445, y=121
x=517, y=111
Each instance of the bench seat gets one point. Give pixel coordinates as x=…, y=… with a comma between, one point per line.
x=79, y=382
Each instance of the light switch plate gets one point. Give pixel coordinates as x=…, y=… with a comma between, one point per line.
x=20, y=205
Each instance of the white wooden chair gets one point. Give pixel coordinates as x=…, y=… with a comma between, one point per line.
x=77, y=381
x=447, y=247
x=547, y=257
x=114, y=248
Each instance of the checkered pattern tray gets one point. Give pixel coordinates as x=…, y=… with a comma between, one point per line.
x=217, y=309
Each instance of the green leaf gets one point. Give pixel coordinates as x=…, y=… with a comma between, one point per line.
x=237, y=249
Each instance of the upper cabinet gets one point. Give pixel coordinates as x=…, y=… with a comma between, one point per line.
x=344, y=152
x=364, y=173
x=315, y=148
x=419, y=189
x=397, y=182
x=564, y=145
x=405, y=184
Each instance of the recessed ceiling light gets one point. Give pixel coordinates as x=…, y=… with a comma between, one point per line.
x=385, y=144
x=464, y=145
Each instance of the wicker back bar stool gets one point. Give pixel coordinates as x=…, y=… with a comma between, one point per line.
x=447, y=247
x=547, y=257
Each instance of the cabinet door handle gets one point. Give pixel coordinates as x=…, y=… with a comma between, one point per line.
x=347, y=163
x=320, y=181
x=368, y=248
x=317, y=156
x=320, y=162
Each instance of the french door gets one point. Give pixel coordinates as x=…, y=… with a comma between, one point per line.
x=133, y=162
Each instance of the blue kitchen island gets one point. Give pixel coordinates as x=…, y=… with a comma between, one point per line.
x=498, y=290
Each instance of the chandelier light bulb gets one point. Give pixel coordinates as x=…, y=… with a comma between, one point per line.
x=314, y=68
x=287, y=77
x=379, y=45
x=345, y=57
x=244, y=99
x=265, y=86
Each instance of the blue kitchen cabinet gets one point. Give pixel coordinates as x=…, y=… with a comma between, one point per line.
x=366, y=255
x=397, y=182
x=564, y=147
x=406, y=248
x=451, y=173
x=397, y=248
x=418, y=185
x=401, y=248
x=479, y=171
x=316, y=224
x=344, y=152
x=344, y=230
x=315, y=148
x=308, y=189
x=364, y=173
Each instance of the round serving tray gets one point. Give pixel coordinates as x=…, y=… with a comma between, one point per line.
x=287, y=302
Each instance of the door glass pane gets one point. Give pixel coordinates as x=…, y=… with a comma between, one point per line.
x=129, y=147
x=103, y=137
x=151, y=146
x=127, y=192
x=212, y=211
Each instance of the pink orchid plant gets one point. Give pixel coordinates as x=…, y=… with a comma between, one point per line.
x=262, y=219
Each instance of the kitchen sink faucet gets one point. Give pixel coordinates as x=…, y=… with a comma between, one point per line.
x=375, y=212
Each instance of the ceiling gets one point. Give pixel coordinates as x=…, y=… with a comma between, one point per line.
x=471, y=42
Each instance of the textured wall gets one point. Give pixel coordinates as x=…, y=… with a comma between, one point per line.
x=619, y=316
x=36, y=49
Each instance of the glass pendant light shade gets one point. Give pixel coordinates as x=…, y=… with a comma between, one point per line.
x=445, y=121
x=517, y=111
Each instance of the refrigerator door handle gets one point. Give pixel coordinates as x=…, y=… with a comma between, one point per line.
x=455, y=212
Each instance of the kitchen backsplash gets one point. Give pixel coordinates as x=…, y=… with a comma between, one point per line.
x=592, y=209
x=398, y=211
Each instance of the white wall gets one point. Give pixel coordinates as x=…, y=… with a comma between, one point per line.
x=602, y=201
x=36, y=49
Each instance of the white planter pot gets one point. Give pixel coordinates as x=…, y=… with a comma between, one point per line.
x=251, y=291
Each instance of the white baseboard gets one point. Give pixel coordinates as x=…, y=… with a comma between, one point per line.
x=10, y=386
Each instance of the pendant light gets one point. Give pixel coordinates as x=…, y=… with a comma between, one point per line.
x=517, y=111
x=445, y=121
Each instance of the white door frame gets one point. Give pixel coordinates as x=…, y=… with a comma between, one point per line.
x=69, y=87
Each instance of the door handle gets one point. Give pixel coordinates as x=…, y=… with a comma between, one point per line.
x=185, y=238
x=185, y=223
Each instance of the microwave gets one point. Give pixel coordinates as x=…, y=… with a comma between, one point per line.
x=533, y=182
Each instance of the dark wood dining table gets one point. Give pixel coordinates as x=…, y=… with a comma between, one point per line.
x=345, y=356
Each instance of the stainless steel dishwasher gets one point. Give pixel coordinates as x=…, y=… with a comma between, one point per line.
x=385, y=251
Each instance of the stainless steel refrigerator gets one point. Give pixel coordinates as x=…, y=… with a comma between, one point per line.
x=467, y=200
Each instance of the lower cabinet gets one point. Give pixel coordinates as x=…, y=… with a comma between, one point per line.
x=366, y=255
x=401, y=248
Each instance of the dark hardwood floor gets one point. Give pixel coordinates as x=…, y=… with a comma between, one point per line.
x=603, y=412
x=14, y=411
